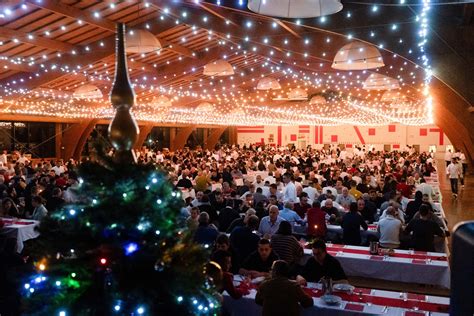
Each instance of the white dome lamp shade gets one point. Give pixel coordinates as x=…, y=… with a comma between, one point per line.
x=161, y=101
x=393, y=96
x=141, y=42
x=205, y=107
x=317, y=100
x=380, y=82
x=268, y=83
x=87, y=91
x=298, y=94
x=218, y=68
x=357, y=56
x=295, y=8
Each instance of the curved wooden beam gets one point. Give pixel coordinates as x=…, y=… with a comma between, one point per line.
x=145, y=130
x=214, y=137
x=181, y=138
x=75, y=137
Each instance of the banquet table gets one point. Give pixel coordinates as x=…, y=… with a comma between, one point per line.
x=429, y=268
x=361, y=301
x=20, y=229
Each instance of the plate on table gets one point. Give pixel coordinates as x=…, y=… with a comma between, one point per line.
x=343, y=287
x=331, y=299
x=258, y=280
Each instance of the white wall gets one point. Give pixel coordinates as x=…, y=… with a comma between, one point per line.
x=396, y=135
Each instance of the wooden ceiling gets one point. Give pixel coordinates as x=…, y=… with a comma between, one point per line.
x=51, y=47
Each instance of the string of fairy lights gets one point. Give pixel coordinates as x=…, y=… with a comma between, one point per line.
x=235, y=92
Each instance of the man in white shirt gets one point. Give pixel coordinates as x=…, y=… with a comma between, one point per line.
x=3, y=158
x=58, y=168
x=390, y=228
x=289, y=192
x=448, y=156
x=453, y=173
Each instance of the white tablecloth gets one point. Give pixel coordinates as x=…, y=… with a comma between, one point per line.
x=22, y=233
x=393, y=268
x=246, y=306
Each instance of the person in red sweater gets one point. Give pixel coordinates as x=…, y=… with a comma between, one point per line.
x=223, y=258
x=316, y=219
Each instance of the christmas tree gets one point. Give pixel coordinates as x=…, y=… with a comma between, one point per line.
x=121, y=249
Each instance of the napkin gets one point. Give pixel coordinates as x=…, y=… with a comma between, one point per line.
x=354, y=307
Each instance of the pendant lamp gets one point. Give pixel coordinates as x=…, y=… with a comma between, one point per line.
x=317, y=100
x=357, y=56
x=268, y=83
x=141, y=41
x=298, y=94
x=87, y=91
x=161, y=101
x=295, y=8
x=380, y=82
x=218, y=68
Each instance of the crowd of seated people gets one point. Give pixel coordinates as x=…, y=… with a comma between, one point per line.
x=246, y=202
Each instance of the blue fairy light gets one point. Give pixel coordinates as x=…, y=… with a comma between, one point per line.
x=130, y=248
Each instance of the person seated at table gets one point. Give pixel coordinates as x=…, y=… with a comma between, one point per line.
x=39, y=211
x=431, y=215
x=285, y=245
x=281, y=296
x=367, y=213
x=320, y=265
x=259, y=197
x=289, y=215
x=217, y=200
x=390, y=229
x=413, y=206
x=269, y=224
x=243, y=239
x=302, y=206
x=192, y=221
x=223, y=243
x=223, y=259
x=241, y=221
x=272, y=200
x=184, y=182
x=197, y=200
x=398, y=211
x=205, y=206
x=330, y=209
x=345, y=199
x=353, y=191
x=316, y=219
x=423, y=231
x=226, y=216
x=205, y=233
x=9, y=208
x=259, y=262
x=328, y=195
x=351, y=224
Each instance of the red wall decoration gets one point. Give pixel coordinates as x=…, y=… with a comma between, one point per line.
x=293, y=137
x=371, y=131
x=423, y=132
x=392, y=128
x=333, y=138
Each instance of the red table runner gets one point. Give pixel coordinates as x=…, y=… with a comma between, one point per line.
x=11, y=222
x=417, y=255
x=363, y=295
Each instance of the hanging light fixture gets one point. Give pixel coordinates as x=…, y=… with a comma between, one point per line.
x=380, y=82
x=317, y=100
x=205, y=107
x=295, y=8
x=298, y=94
x=87, y=91
x=357, y=56
x=393, y=96
x=268, y=83
x=218, y=68
x=161, y=101
x=141, y=42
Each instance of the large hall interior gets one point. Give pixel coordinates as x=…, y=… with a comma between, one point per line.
x=236, y=157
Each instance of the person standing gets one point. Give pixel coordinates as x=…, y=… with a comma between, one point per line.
x=351, y=224
x=280, y=296
x=453, y=173
x=448, y=156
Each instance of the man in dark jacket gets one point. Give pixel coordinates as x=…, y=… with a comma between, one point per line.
x=280, y=296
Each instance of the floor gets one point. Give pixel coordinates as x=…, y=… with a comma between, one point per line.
x=456, y=210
